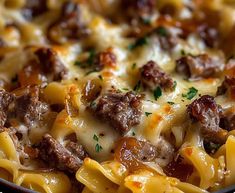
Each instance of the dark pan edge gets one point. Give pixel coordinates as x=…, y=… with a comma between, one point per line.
x=230, y=189
x=6, y=186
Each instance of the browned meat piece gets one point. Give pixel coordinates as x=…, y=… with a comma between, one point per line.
x=105, y=59
x=34, y=8
x=45, y=67
x=207, y=114
x=165, y=151
x=6, y=99
x=197, y=67
x=227, y=121
x=166, y=38
x=133, y=153
x=23, y=104
x=57, y=156
x=51, y=64
x=31, y=152
x=228, y=43
x=120, y=110
x=209, y=35
x=162, y=152
x=137, y=9
x=69, y=26
x=168, y=9
x=153, y=76
x=228, y=86
x=28, y=107
x=76, y=149
x=168, y=42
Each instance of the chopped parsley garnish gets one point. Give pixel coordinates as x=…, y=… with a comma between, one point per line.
x=174, y=85
x=157, y=93
x=133, y=65
x=146, y=21
x=133, y=133
x=137, y=86
x=91, y=57
x=183, y=53
x=170, y=103
x=88, y=62
x=95, y=137
x=211, y=147
x=161, y=31
x=100, y=77
x=78, y=63
x=139, y=42
x=98, y=148
x=126, y=89
x=93, y=104
x=147, y=114
x=192, y=92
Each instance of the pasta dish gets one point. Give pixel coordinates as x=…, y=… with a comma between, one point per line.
x=117, y=96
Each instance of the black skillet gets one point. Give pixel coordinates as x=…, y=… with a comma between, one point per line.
x=8, y=187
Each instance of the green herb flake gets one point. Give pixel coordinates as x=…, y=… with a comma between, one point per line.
x=139, y=42
x=98, y=148
x=170, y=103
x=88, y=62
x=119, y=90
x=162, y=31
x=100, y=77
x=174, y=85
x=133, y=66
x=125, y=89
x=137, y=86
x=95, y=137
x=146, y=21
x=211, y=147
x=192, y=92
x=77, y=63
x=147, y=114
x=92, y=104
x=157, y=93
x=182, y=52
x=91, y=57
x=133, y=133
